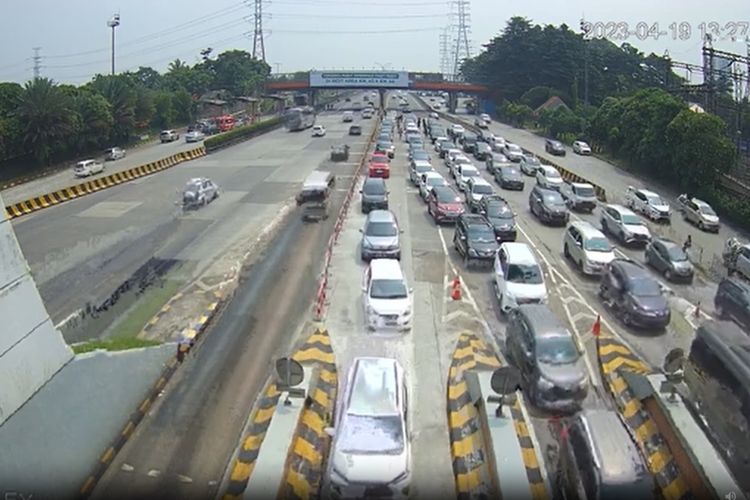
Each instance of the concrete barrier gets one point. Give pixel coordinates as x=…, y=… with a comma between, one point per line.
x=565, y=173
x=85, y=188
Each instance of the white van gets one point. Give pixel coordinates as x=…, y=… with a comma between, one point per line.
x=518, y=277
x=348, y=116
x=387, y=297
x=370, y=450
x=88, y=167
x=587, y=247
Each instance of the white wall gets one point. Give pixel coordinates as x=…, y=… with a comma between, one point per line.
x=31, y=349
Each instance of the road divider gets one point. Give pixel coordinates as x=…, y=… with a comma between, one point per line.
x=183, y=347
x=566, y=174
x=85, y=188
x=239, y=134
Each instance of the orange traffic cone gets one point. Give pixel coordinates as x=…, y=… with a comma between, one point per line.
x=596, y=330
x=456, y=289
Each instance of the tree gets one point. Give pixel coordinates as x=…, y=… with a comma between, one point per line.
x=46, y=118
x=698, y=148
x=95, y=120
x=183, y=105
x=164, y=115
x=9, y=95
x=122, y=99
x=148, y=77
x=536, y=96
x=144, y=108
x=237, y=72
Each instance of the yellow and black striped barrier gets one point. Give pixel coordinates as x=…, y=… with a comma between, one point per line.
x=85, y=188
x=307, y=455
x=615, y=358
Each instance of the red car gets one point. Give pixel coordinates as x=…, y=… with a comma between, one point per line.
x=444, y=204
x=380, y=157
x=378, y=169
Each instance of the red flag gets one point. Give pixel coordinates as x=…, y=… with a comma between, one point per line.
x=596, y=330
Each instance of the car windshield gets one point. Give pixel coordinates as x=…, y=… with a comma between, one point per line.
x=645, y=287
x=381, y=229
x=362, y=434
x=481, y=233
x=511, y=172
x=553, y=199
x=447, y=145
x=447, y=196
x=469, y=172
x=192, y=188
x=584, y=191
x=597, y=244
x=528, y=274
x=499, y=211
x=676, y=254
x=435, y=181
x=631, y=220
x=655, y=199
x=514, y=148
x=482, y=189
x=423, y=167
x=557, y=350
x=385, y=144
x=420, y=155
x=388, y=289
x=532, y=161
x=552, y=173
x=706, y=210
x=374, y=188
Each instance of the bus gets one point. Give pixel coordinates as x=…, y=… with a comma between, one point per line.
x=717, y=372
x=299, y=118
x=225, y=122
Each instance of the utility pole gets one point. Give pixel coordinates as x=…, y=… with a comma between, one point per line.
x=667, y=68
x=585, y=30
x=259, y=49
x=37, y=62
x=460, y=9
x=445, y=64
x=113, y=23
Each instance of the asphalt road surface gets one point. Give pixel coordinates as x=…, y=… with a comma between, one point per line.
x=81, y=251
x=183, y=446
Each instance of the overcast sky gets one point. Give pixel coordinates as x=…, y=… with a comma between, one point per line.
x=74, y=39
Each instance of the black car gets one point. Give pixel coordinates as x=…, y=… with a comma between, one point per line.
x=497, y=211
x=475, y=240
x=355, y=130
x=548, y=206
x=509, y=177
x=668, y=258
x=374, y=194
x=634, y=295
x=469, y=142
x=482, y=150
x=554, y=147
x=732, y=300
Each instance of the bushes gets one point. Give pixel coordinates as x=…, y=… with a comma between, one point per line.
x=240, y=134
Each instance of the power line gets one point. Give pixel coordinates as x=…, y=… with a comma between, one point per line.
x=355, y=2
x=358, y=32
x=326, y=16
x=259, y=47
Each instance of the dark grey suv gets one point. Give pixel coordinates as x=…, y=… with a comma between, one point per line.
x=548, y=206
x=475, y=239
x=543, y=349
x=732, y=300
x=374, y=194
x=634, y=295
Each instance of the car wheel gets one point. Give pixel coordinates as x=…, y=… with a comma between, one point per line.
x=719, y=310
x=467, y=261
x=668, y=274
x=701, y=226
x=566, y=252
x=627, y=319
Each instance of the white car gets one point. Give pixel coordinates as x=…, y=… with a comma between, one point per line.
x=413, y=129
x=513, y=152
x=476, y=189
x=457, y=162
x=434, y=116
x=370, y=447
x=548, y=177
x=622, y=223
x=318, y=131
x=518, y=277
x=530, y=164
x=457, y=130
x=417, y=168
x=88, y=167
x=451, y=154
x=587, y=247
x=194, y=136
x=465, y=173
x=479, y=122
x=581, y=148
x=387, y=298
x=113, y=154
x=648, y=203
x=579, y=196
x=428, y=181
x=348, y=116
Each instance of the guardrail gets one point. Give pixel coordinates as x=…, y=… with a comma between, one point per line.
x=76, y=191
x=321, y=297
x=566, y=174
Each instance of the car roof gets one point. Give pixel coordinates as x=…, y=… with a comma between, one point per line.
x=548, y=168
x=616, y=455
x=478, y=181
x=646, y=192
x=581, y=184
x=587, y=229
x=667, y=242
x=631, y=269
x=518, y=252
x=386, y=269
x=623, y=210
x=432, y=173
x=374, y=180
x=374, y=387
x=381, y=216
x=543, y=321
x=474, y=219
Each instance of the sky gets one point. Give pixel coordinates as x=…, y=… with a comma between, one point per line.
x=74, y=40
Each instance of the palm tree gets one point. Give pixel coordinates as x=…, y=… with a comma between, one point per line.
x=45, y=116
x=122, y=99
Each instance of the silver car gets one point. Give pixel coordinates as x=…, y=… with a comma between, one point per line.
x=199, y=191
x=380, y=236
x=113, y=154
x=625, y=225
x=194, y=136
x=530, y=164
x=370, y=450
x=513, y=152
x=699, y=213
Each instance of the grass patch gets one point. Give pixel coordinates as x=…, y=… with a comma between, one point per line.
x=116, y=344
x=144, y=309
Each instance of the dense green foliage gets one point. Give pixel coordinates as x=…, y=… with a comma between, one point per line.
x=53, y=122
x=240, y=134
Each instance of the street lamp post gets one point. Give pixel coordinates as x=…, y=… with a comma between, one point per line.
x=113, y=23
x=585, y=30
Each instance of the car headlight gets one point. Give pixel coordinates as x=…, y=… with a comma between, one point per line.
x=407, y=311
x=370, y=311
x=472, y=252
x=545, y=384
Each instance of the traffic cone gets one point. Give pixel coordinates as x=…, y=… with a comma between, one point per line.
x=456, y=289
x=596, y=330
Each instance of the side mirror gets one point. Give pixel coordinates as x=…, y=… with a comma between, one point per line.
x=360, y=191
x=330, y=431
x=361, y=230
x=400, y=231
x=387, y=192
